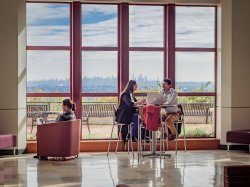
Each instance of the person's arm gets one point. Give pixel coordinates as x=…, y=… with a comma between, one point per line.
x=139, y=102
x=127, y=100
x=59, y=118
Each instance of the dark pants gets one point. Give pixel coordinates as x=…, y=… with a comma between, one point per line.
x=124, y=131
x=135, y=126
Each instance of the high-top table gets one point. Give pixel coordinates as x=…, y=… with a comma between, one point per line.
x=154, y=138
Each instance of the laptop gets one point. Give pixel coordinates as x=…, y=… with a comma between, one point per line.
x=39, y=121
x=154, y=98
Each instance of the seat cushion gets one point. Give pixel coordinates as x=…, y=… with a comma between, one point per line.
x=7, y=140
x=239, y=136
x=237, y=175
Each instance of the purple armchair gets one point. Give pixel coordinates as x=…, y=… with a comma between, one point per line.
x=8, y=140
x=60, y=139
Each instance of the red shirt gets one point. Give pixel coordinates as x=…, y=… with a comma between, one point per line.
x=151, y=115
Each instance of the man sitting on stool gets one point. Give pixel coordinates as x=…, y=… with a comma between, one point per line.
x=170, y=97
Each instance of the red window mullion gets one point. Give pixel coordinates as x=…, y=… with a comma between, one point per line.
x=171, y=42
x=123, y=45
x=165, y=67
x=76, y=60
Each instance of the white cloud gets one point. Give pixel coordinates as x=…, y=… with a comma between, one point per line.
x=146, y=64
x=104, y=9
x=194, y=66
x=146, y=29
x=100, y=34
x=37, y=12
x=48, y=35
x=99, y=64
x=45, y=65
x=146, y=26
x=43, y=28
x=195, y=27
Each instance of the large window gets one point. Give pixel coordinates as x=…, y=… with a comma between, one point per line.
x=48, y=55
x=99, y=41
x=146, y=41
x=113, y=43
x=48, y=59
x=195, y=62
x=99, y=65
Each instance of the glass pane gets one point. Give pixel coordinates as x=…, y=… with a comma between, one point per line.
x=48, y=71
x=49, y=106
x=146, y=26
x=48, y=24
x=195, y=71
x=99, y=71
x=199, y=116
x=147, y=69
x=195, y=26
x=100, y=120
x=99, y=25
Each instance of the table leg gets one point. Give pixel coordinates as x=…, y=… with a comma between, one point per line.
x=154, y=146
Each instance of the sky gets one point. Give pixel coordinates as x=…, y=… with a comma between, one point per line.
x=49, y=24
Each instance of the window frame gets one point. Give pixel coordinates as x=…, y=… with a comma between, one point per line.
x=123, y=50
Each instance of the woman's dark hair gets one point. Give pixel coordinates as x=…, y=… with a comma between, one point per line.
x=69, y=103
x=129, y=86
x=168, y=81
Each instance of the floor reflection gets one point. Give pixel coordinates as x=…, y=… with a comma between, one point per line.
x=193, y=168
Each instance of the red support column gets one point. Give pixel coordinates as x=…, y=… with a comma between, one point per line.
x=215, y=66
x=123, y=48
x=165, y=74
x=170, y=42
x=76, y=57
x=71, y=51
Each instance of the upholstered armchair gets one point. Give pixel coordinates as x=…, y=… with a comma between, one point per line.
x=60, y=139
x=8, y=140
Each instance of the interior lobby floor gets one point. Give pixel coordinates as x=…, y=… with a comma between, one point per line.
x=191, y=169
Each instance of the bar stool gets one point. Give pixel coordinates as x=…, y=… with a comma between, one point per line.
x=180, y=122
x=119, y=128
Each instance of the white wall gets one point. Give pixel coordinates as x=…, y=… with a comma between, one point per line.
x=13, y=69
x=234, y=101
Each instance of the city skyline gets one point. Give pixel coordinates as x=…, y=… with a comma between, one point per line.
x=110, y=85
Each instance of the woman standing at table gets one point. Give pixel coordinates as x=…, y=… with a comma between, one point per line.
x=68, y=111
x=126, y=109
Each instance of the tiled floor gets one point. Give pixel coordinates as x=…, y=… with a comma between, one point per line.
x=193, y=168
